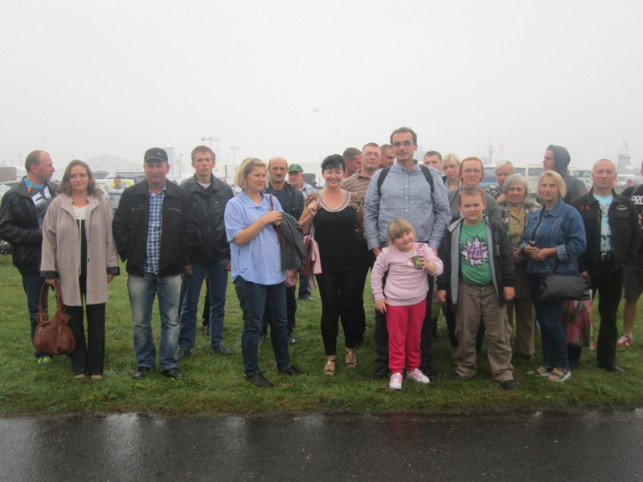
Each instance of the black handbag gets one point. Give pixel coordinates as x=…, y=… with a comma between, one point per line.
x=565, y=287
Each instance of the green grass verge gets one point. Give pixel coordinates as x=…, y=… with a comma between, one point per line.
x=214, y=384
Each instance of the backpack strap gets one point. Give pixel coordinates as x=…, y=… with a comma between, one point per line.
x=425, y=170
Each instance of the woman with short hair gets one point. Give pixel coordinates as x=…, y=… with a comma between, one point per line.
x=515, y=210
x=554, y=238
x=335, y=215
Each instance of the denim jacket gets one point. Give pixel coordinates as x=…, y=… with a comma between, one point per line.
x=561, y=227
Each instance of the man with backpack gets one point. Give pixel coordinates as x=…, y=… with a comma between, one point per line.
x=417, y=194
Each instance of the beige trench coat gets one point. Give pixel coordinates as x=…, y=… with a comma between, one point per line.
x=61, y=248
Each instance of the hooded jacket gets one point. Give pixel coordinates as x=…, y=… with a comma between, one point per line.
x=574, y=187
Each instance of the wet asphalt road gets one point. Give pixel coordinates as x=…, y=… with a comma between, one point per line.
x=571, y=446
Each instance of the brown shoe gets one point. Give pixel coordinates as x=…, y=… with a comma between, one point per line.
x=330, y=366
x=351, y=358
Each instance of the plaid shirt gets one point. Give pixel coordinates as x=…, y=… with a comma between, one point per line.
x=154, y=228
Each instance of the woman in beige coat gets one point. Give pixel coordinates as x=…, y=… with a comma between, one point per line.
x=79, y=253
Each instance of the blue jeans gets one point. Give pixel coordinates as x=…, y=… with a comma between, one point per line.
x=141, y=295
x=218, y=274
x=32, y=284
x=252, y=298
x=552, y=333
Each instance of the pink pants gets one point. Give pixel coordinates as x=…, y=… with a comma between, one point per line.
x=404, y=324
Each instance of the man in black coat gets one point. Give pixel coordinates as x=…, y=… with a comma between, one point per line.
x=210, y=255
x=154, y=228
x=292, y=202
x=21, y=214
x=612, y=230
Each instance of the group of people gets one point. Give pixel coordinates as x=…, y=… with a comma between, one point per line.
x=414, y=224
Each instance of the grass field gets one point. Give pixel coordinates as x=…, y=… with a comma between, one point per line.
x=214, y=384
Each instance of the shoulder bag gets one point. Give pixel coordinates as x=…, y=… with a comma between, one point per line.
x=565, y=287
x=53, y=337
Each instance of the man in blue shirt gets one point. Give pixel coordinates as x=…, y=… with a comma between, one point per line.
x=405, y=193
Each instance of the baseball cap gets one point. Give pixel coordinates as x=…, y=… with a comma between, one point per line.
x=155, y=154
x=295, y=168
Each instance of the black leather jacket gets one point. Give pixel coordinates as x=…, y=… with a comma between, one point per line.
x=623, y=221
x=178, y=232
x=19, y=226
x=209, y=206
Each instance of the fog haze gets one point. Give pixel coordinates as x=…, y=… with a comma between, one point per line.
x=306, y=79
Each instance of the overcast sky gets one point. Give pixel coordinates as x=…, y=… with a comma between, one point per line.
x=304, y=79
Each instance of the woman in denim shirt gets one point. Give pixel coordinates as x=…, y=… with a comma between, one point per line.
x=553, y=235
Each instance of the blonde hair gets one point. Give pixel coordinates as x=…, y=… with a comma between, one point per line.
x=398, y=228
x=505, y=163
x=558, y=179
x=451, y=157
x=245, y=168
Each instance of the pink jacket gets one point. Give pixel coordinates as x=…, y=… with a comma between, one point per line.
x=405, y=284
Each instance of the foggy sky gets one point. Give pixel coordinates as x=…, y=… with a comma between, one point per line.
x=85, y=78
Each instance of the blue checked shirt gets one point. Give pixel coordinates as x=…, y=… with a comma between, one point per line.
x=406, y=195
x=154, y=228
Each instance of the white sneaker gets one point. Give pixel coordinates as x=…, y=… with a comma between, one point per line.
x=396, y=381
x=418, y=376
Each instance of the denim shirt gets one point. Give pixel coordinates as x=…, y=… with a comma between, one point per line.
x=561, y=227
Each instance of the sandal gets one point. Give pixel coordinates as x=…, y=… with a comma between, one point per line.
x=559, y=375
x=96, y=377
x=351, y=358
x=541, y=371
x=329, y=367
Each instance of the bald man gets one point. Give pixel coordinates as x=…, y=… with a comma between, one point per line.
x=292, y=202
x=612, y=230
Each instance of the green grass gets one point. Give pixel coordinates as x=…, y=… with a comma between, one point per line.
x=215, y=385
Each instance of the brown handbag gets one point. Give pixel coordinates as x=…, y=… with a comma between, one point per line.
x=309, y=264
x=53, y=337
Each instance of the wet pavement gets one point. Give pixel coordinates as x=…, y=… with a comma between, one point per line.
x=541, y=446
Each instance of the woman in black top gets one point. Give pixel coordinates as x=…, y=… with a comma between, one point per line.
x=334, y=216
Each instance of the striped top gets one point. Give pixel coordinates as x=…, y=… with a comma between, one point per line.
x=407, y=195
x=259, y=260
x=357, y=184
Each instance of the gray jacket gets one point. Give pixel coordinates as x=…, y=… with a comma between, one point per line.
x=293, y=251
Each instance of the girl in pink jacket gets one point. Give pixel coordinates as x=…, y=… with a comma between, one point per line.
x=405, y=264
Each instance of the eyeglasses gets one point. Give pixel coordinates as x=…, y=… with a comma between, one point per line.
x=403, y=143
x=472, y=171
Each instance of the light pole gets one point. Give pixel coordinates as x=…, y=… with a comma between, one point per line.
x=209, y=141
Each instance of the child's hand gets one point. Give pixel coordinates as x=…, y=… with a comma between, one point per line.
x=441, y=296
x=509, y=293
x=429, y=267
x=380, y=305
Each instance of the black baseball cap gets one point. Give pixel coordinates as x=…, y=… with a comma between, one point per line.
x=155, y=154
